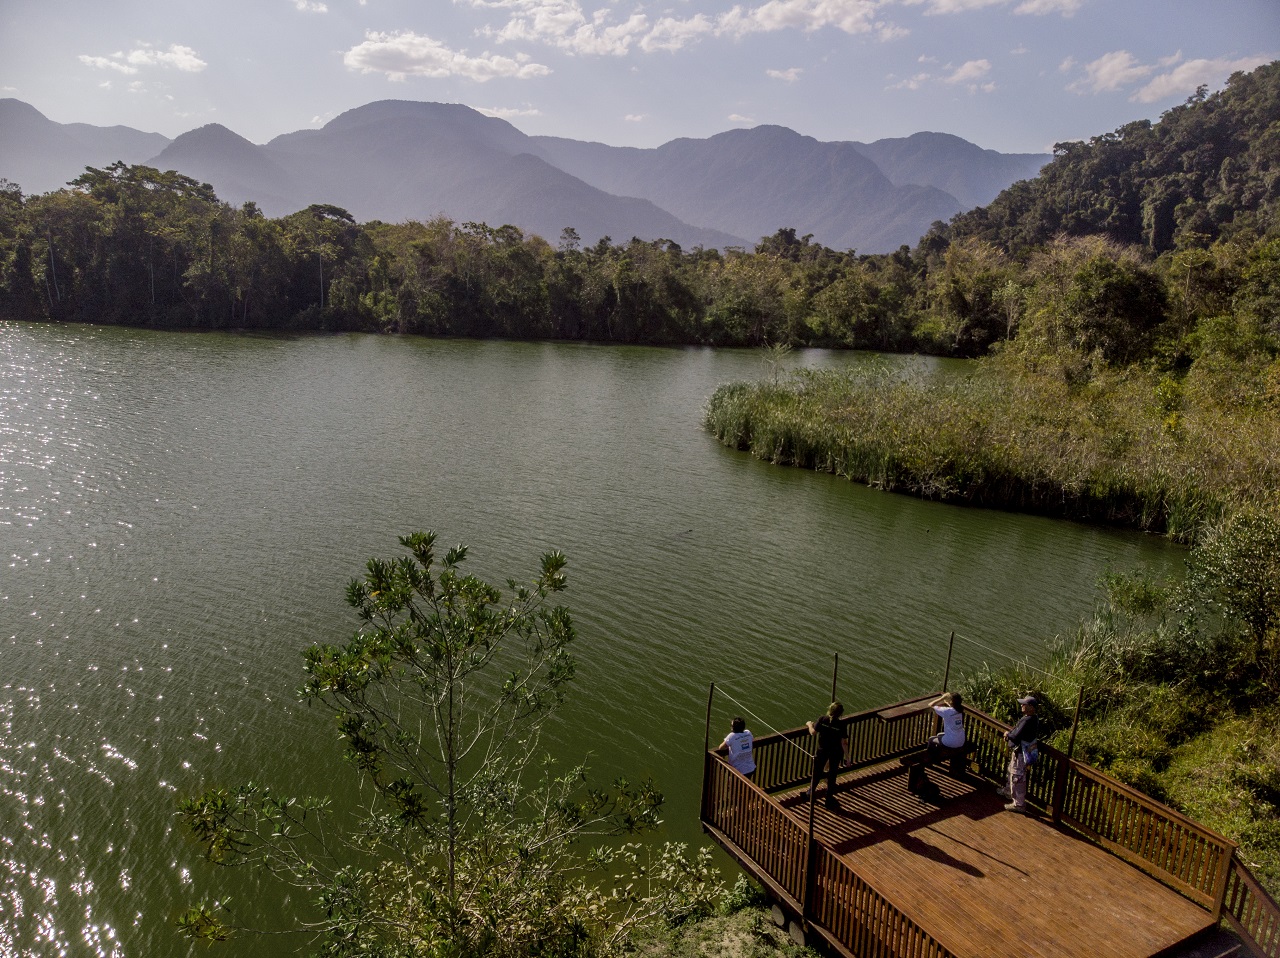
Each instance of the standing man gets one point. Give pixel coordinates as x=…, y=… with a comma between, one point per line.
x=1027, y=730
x=830, y=752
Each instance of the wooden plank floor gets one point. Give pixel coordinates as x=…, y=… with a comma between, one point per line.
x=983, y=881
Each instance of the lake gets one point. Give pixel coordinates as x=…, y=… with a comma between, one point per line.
x=180, y=513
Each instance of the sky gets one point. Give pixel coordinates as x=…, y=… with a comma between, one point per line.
x=1009, y=75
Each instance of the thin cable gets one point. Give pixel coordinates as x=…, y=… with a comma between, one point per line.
x=747, y=711
x=776, y=670
x=1020, y=662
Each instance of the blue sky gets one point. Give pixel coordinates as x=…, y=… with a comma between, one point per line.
x=1011, y=75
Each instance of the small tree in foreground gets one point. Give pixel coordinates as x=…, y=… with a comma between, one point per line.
x=470, y=843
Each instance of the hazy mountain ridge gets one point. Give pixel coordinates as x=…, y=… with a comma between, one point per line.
x=41, y=155
x=397, y=159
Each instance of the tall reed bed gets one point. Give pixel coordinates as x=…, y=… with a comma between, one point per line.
x=1125, y=447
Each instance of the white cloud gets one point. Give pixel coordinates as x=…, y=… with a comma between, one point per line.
x=636, y=117
x=507, y=112
x=924, y=59
x=851, y=16
x=310, y=6
x=969, y=71
x=790, y=75
x=1019, y=50
x=1065, y=67
x=672, y=34
x=566, y=25
x=1186, y=77
x=177, y=57
x=114, y=62
x=404, y=54
x=1110, y=72
x=1042, y=7
x=739, y=118
x=911, y=83
x=954, y=6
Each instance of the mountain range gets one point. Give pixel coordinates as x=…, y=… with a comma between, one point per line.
x=395, y=160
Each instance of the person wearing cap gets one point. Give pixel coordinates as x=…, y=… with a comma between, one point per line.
x=830, y=752
x=1026, y=730
x=737, y=745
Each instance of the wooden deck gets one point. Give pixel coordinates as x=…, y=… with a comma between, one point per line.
x=983, y=881
x=1097, y=869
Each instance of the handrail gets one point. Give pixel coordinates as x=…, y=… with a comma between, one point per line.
x=843, y=906
x=1175, y=849
x=785, y=759
x=1166, y=844
x=1251, y=912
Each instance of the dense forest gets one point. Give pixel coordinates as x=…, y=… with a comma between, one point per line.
x=1119, y=246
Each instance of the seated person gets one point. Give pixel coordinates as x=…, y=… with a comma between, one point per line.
x=738, y=746
x=950, y=708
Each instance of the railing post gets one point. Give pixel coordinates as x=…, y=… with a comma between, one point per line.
x=706, y=755
x=1220, y=892
x=806, y=891
x=1064, y=764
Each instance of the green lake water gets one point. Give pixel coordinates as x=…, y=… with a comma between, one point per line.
x=179, y=514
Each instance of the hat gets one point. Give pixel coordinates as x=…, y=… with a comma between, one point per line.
x=1028, y=700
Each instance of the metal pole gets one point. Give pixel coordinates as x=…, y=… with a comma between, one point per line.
x=946, y=676
x=706, y=735
x=835, y=674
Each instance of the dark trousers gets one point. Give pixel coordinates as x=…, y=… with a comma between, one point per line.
x=831, y=763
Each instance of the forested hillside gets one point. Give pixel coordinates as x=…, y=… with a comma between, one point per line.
x=1209, y=169
x=1118, y=250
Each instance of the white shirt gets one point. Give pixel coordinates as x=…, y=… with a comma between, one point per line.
x=739, y=746
x=952, y=726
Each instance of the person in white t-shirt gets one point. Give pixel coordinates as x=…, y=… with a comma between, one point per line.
x=738, y=746
x=950, y=709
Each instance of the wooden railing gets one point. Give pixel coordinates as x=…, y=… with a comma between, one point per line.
x=817, y=885
x=1253, y=913
x=758, y=826
x=785, y=760
x=1170, y=847
x=846, y=909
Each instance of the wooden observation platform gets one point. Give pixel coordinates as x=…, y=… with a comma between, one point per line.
x=1099, y=869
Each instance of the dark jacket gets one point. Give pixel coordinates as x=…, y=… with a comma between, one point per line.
x=1027, y=730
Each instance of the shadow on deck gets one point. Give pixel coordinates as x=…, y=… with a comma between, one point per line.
x=1099, y=869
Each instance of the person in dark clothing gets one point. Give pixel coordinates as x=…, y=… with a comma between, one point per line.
x=830, y=752
x=1026, y=730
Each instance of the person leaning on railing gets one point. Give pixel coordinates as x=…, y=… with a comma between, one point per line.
x=737, y=745
x=830, y=753
x=1026, y=731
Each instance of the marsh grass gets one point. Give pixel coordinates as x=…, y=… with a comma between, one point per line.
x=1130, y=448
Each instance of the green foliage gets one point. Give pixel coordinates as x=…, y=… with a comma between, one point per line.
x=1176, y=701
x=468, y=841
x=1206, y=170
